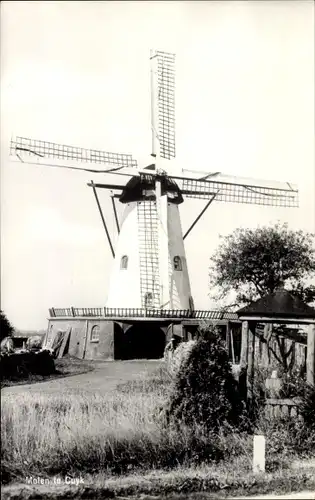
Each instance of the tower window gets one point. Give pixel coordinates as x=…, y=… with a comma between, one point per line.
x=95, y=333
x=124, y=262
x=148, y=299
x=177, y=263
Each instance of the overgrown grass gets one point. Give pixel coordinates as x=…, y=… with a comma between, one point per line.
x=159, y=382
x=123, y=432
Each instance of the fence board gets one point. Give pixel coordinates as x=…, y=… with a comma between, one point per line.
x=278, y=408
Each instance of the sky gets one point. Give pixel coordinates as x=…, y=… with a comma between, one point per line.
x=78, y=73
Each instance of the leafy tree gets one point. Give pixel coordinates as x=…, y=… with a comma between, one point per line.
x=6, y=329
x=254, y=262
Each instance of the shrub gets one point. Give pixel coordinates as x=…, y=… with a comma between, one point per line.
x=291, y=435
x=205, y=393
x=179, y=356
x=6, y=329
x=307, y=408
x=22, y=364
x=286, y=437
x=292, y=384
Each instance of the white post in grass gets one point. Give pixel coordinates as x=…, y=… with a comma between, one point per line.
x=259, y=460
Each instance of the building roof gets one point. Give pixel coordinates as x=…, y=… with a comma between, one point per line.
x=279, y=304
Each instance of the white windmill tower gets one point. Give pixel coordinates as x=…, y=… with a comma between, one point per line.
x=150, y=270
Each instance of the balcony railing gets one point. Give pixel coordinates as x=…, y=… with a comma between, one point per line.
x=120, y=312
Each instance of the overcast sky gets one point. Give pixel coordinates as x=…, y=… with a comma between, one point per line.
x=78, y=73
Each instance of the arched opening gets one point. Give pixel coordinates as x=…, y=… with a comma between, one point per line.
x=95, y=333
x=124, y=262
x=141, y=341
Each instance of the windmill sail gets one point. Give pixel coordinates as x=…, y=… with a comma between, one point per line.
x=228, y=189
x=150, y=267
x=166, y=103
x=40, y=151
x=238, y=190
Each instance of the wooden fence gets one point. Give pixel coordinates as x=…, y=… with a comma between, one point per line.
x=277, y=408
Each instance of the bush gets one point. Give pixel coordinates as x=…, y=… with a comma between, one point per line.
x=205, y=392
x=307, y=408
x=6, y=329
x=23, y=364
x=177, y=357
x=293, y=385
x=286, y=437
x=291, y=435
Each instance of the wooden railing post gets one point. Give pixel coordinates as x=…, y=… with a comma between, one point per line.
x=310, y=360
x=227, y=337
x=244, y=361
x=244, y=345
x=251, y=360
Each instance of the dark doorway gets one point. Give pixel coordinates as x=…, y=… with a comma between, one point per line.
x=140, y=341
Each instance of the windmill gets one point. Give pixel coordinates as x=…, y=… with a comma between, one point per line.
x=150, y=272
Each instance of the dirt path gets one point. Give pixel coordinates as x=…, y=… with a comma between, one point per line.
x=104, y=378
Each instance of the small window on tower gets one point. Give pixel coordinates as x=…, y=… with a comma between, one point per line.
x=95, y=333
x=124, y=262
x=148, y=299
x=177, y=263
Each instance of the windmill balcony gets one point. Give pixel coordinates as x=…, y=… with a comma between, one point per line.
x=120, y=312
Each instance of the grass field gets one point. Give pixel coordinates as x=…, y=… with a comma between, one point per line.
x=104, y=426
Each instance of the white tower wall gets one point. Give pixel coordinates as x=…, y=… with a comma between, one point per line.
x=180, y=291
x=124, y=285
x=150, y=237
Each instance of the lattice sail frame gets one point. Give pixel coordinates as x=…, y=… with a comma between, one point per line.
x=44, y=149
x=166, y=103
x=236, y=192
x=278, y=194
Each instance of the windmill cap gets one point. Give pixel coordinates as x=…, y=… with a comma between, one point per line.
x=142, y=187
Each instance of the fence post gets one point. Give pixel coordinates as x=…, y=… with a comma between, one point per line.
x=251, y=362
x=310, y=360
x=227, y=338
x=243, y=360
